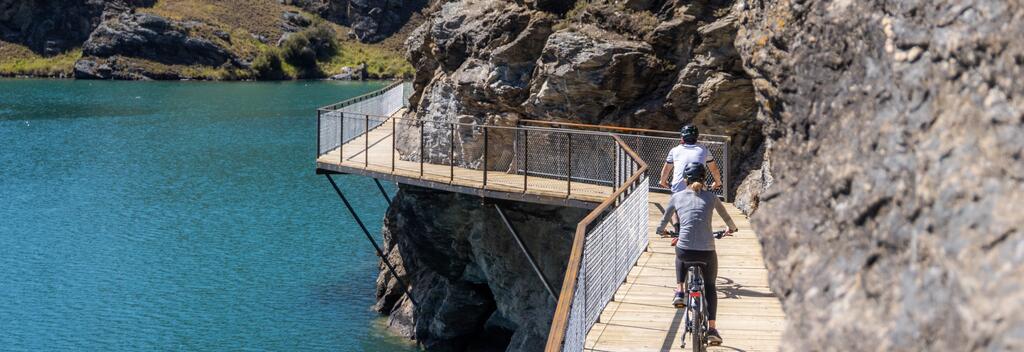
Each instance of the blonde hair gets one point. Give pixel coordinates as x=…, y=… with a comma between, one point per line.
x=696, y=186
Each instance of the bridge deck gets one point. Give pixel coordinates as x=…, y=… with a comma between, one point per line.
x=641, y=318
x=382, y=161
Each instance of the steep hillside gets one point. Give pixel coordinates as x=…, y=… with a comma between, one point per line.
x=193, y=39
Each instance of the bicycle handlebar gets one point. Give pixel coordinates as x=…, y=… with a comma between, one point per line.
x=718, y=234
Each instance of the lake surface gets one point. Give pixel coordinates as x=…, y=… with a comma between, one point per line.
x=179, y=216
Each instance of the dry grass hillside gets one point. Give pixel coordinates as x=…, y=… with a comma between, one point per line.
x=245, y=21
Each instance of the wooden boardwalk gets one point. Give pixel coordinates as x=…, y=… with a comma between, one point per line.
x=642, y=318
x=379, y=163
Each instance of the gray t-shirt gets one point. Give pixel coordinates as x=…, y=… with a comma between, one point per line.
x=694, y=212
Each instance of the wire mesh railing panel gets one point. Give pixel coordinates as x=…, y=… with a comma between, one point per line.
x=654, y=150
x=437, y=147
x=612, y=246
x=328, y=132
x=578, y=161
x=577, y=327
x=611, y=249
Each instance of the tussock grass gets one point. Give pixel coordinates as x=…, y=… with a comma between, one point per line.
x=18, y=60
x=380, y=62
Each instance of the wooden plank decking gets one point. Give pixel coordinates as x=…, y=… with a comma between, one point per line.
x=642, y=318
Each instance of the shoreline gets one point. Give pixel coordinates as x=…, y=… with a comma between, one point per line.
x=62, y=78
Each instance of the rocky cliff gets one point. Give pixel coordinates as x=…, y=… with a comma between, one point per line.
x=895, y=133
x=370, y=20
x=475, y=288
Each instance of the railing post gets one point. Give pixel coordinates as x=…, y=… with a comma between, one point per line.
x=452, y=156
x=725, y=171
x=422, y=124
x=317, y=134
x=366, y=143
x=568, y=177
x=526, y=158
x=341, y=138
x=394, y=136
x=618, y=171
x=485, y=156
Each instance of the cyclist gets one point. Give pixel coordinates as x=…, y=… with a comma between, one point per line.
x=696, y=242
x=688, y=152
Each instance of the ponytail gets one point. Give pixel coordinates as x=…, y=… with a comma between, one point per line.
x=696, y=186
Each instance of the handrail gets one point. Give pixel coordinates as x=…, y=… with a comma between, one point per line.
x=617, y=128
x=350, y=101
x=560, y=320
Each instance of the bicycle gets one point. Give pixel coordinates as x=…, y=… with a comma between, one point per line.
x=695, y=316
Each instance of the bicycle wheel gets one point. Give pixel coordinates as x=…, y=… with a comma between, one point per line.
x=699, y=324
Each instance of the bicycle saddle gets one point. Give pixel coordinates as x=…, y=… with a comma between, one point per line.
x=695, y=263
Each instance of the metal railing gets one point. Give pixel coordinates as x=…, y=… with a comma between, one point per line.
x=606, y=245
x=522, y=159
x=653, y=146
x=332, y=131
x=552, y=161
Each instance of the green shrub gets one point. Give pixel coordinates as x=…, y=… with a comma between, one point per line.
x=304, y=49
x=322, y=40
x=268, y=65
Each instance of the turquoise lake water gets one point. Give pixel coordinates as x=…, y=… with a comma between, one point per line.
x=179, y=216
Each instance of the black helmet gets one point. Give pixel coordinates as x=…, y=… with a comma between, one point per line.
x=689, y=134
x=694, y=172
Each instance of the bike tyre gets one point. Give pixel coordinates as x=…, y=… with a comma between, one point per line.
x=698, y=326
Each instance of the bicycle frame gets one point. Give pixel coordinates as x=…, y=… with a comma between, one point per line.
x=695, y=302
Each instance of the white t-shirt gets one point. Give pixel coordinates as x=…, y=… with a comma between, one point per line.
x=680, y=156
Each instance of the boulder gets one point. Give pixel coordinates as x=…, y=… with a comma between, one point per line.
x=591, y=76
x=153, y=38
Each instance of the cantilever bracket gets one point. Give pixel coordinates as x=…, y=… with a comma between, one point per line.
x=529, y=258
x=369, y=237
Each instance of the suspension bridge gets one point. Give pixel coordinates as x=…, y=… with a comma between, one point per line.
x=619, y=279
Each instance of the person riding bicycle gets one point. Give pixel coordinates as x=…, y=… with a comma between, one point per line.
x=696, y=242
x=688, y=152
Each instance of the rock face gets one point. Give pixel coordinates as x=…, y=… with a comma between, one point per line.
x=893, y=221
x=154, y=38
x=149, y=37
x=52, y=27
x=370, y=20
x=475, y=288
x=650, y=65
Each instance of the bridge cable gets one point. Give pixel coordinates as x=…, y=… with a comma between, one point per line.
x=366, y=232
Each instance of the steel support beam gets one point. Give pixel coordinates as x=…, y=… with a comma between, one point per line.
x=526, y=252
x=382, y=191
x=369, y=237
